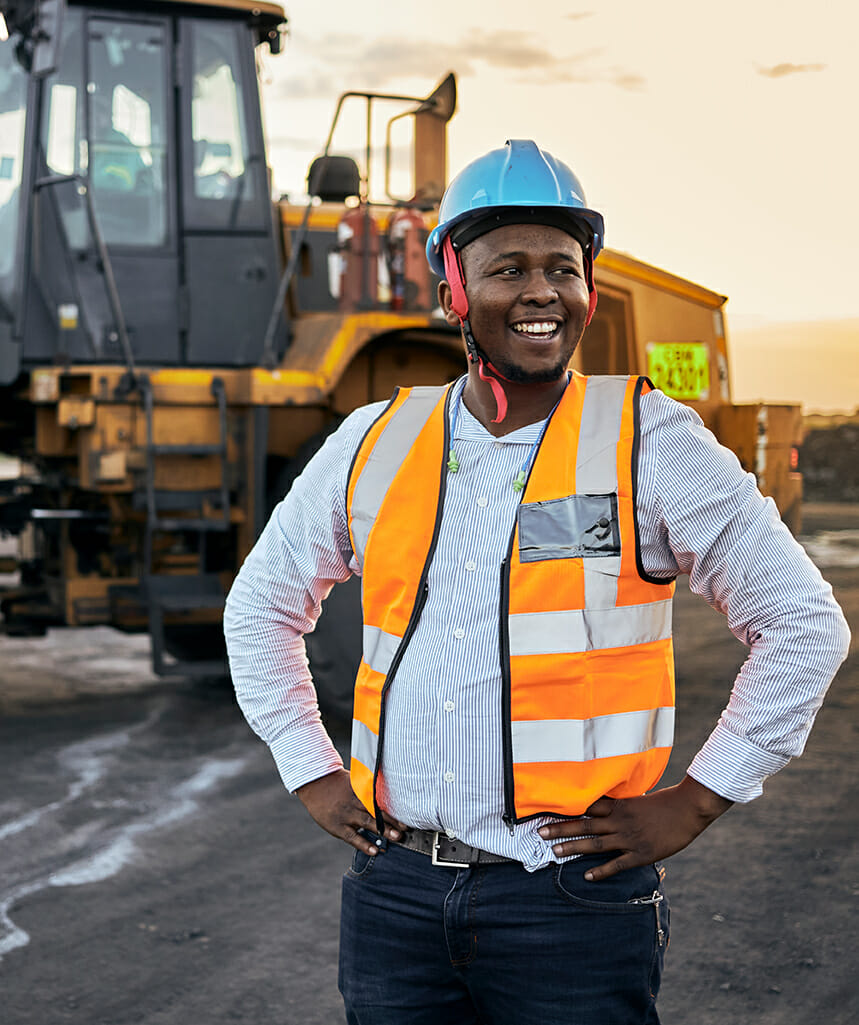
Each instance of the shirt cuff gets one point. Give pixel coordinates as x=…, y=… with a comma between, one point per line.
x=734, y=767
x=304, y=755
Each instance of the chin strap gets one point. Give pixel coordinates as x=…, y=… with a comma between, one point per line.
x=592, y=289
x=498, y=392
x=459, y=304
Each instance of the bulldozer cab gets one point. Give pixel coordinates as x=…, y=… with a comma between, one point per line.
x=135, y=215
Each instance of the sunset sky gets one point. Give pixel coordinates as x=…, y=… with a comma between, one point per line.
x=718, y=141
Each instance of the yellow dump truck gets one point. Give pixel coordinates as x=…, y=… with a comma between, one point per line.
x=173, y=345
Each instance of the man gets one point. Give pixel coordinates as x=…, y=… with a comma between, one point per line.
x=518, y=534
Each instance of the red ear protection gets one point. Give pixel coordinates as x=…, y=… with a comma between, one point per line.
x=592, y=291
x=453, y=273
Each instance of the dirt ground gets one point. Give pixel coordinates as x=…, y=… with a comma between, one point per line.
x=153, y=870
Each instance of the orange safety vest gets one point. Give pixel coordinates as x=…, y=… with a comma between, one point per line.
x=586, y=653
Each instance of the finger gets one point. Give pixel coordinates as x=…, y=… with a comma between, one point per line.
x=394, y=829
x=610, y=868
x=602, y=807
x=588, y=845
x=360, y=841
x=572, y=828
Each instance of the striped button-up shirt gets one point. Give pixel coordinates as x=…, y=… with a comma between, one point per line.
x=698, y=514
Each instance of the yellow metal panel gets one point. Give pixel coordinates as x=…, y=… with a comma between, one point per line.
x=183, y=377
x=74, y=411
x=627, y=267
x=367, y=325
x=327, y=216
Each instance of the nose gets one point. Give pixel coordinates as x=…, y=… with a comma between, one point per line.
x=538, y=289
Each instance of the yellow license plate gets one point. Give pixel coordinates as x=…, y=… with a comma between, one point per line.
x=680, y=370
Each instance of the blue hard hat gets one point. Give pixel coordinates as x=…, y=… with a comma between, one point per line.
x=517, y=184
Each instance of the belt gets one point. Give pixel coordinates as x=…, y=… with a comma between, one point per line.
x=448, y=853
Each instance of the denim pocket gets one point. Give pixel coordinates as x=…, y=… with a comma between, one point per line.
x=629, y=892
x=361, y=864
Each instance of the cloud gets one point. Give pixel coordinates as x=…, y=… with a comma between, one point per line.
x=627, y=80
x=381, y=64
x=782, y=70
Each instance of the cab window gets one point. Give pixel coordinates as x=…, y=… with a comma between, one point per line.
x=13, y=104
x=126, y=113
x=226, y=166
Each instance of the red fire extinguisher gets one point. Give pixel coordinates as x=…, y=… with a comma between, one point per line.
x=410, y=278
x=358, y=246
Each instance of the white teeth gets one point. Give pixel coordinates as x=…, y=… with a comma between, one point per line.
x=547, y=327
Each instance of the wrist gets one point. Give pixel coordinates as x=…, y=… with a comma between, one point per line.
x=321, y=783
x=705, y=803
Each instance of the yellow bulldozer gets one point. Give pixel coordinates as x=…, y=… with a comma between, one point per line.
x=174, y=345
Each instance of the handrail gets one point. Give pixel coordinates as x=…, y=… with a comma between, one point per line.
x=267, y=359
x=103, y=256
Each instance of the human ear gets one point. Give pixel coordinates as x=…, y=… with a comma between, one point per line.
x=445, y=298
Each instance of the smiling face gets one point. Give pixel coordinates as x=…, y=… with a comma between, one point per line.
x=527, y=297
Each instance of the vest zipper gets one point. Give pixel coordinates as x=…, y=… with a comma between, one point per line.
x=509, y=816
x=389, y=679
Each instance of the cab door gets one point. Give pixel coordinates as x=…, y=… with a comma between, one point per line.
x=231, y=260
x=107, y=117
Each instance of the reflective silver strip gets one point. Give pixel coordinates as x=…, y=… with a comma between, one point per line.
x=555, y=633
x=365, y=744
x=601, y=581
x=582, y=740
x=379, y=648
x=391, y=448
x=596, y=457
x=596, y=472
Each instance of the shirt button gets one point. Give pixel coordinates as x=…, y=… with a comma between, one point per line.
x=449, y=706
x=483, y=501
x=450, y=834
x=471, y=565
x=459, y=633
x=449, y=777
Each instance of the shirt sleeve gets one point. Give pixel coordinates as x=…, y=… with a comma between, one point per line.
x=701, y=514
x=277, y=598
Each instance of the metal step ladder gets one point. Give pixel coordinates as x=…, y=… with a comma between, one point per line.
x=186, y=511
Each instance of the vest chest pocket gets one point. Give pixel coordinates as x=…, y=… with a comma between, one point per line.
x=573, y=527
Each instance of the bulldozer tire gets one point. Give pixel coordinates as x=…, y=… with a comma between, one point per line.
x=197, y=642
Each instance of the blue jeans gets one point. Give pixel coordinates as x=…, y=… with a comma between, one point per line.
x=496, y=945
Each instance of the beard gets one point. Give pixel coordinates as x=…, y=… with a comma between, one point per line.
x=518, y=375
x=512, y=371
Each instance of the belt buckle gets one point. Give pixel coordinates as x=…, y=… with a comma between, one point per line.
x=444, y=863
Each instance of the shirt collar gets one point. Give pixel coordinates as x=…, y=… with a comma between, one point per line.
x=469, y=428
